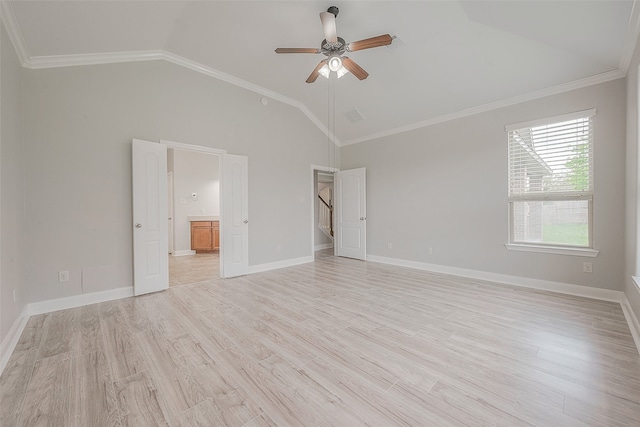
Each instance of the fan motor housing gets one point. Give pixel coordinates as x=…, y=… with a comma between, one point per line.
x=329, y=48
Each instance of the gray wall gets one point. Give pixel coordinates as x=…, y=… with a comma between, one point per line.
x=445, y=187
x=12, y=222
x=632, y=267
x=78, y=150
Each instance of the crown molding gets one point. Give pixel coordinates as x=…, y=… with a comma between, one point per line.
x=631, y=39
x=56, y=61
x=212, y=72
x=13, y=30
x=576, y=84
x=41, y=62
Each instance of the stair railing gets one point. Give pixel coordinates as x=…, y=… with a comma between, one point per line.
x=325, y=217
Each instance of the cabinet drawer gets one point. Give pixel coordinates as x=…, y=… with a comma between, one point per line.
x=201, y=223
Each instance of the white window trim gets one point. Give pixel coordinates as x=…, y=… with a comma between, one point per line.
x=557, y=119
x=558, y=250
x=551, y=249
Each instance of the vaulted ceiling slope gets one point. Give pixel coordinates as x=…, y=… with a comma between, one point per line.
x=449, y=58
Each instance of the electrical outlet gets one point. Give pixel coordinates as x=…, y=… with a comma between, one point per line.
x=389, y=245
x=429, y=251
x=63, y=276
x=587, y=267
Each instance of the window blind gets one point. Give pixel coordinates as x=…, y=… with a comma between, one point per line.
x=552, y=161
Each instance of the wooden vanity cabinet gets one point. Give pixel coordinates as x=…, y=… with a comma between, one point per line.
x=215, y=228
x=205, y=236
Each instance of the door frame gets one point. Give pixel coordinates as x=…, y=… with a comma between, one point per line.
x=171, y=208
x=207, y=150
x=313, y=196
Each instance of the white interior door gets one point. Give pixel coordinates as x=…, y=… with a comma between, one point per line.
x=150, y=213
x=351, y=214
x=234, y=216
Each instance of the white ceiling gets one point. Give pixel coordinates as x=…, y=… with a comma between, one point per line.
x=450, y=58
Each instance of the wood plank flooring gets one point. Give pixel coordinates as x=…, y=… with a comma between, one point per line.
x=337, y=342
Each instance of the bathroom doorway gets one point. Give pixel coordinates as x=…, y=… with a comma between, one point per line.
x=195, y=216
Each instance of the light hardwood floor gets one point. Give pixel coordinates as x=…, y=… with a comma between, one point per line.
x=337, y=342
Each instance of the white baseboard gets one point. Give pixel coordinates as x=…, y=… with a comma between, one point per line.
x=323, y=246
x=279, y=264
x=632, y=320
x=11, y=340
x=546, y=285
x=183, y=253
x=79, y=300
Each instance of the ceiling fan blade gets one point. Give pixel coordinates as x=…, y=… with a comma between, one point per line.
x=328, y=20
x=383, y=40
x=316, y=72
x=297, y=50
x=354, y=68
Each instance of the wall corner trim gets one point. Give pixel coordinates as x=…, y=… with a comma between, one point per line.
x=631, y=38
x=15, y=35
x=11, y=340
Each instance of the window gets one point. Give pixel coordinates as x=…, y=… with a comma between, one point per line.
x=551, y=182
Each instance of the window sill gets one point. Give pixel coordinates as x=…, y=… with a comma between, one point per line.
x=586, y=252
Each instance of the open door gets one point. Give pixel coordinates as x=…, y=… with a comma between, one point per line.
x=234, y=216
x=150, y=213
x=351, y=216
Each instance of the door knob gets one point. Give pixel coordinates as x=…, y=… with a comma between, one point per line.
x=362, y=218
x=246, y=221
x=138, y=225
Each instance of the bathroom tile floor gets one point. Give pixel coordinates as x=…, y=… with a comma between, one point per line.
x=193, y=268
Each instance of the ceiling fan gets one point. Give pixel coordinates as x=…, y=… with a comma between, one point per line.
x=333, y=47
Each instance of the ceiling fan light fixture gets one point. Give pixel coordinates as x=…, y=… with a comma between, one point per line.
x=341, y=71
x=335, y=63
x=324, y=71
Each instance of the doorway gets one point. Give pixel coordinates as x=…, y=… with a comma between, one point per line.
x=349, y=227
x=194, y=216
x=150, y=213
x=322, y=210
